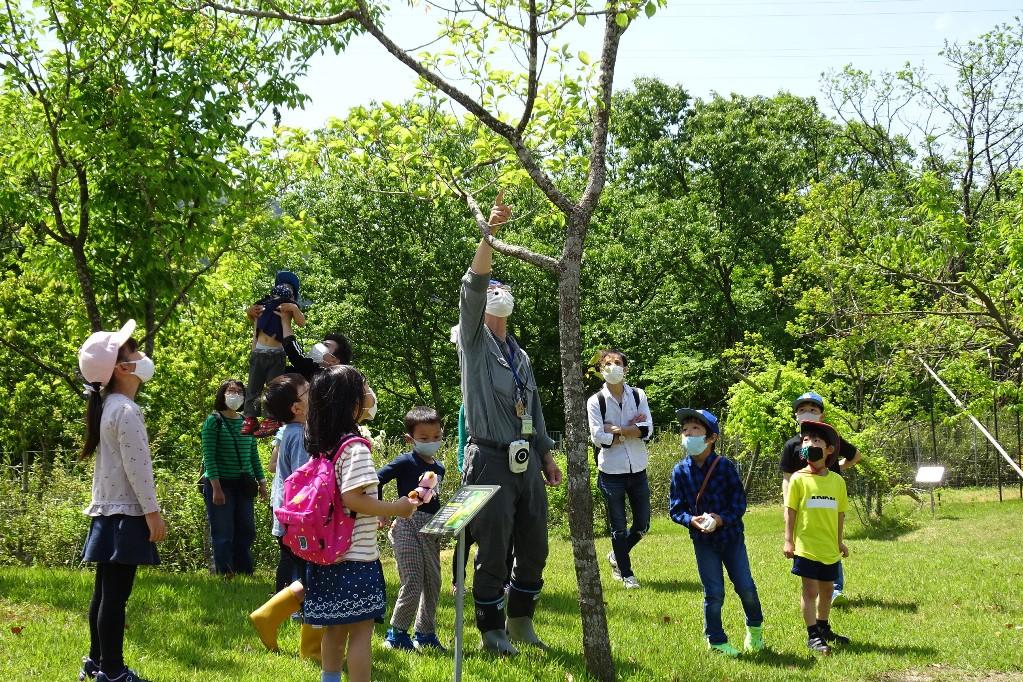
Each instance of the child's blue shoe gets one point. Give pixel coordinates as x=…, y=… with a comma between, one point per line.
x=398, y=639
x=427, y=641
x=127, y=675
x=89, y=669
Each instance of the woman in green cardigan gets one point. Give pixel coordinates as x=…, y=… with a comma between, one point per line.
x=233, y=473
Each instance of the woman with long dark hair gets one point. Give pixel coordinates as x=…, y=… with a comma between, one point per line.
x=126, y=519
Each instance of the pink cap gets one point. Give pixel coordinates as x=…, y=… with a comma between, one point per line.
x=98, y=355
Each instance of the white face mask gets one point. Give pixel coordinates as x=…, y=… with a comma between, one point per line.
x=427, y=449
x=694, y=445
x=370, y=411
x=613, y=374
x=144, y=369
x=500, y=303
x=807, y=417
x=234, y=401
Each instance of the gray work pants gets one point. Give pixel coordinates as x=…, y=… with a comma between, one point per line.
x=518, y=513
x=264, y=366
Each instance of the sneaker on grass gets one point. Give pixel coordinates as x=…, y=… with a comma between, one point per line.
x=724, y=648
x=428, y=640
x=754, y=638
x=89, y=669
x=399, y=640
x=630, y=582
x=615, y=573
x=830, y=636
x=818, y=645
x=127, y=675
x=839, y=599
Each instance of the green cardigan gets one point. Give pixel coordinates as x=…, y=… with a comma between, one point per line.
x=220, y=457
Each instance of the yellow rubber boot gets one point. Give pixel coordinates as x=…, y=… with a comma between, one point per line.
x=309, y=645
x=267, y=618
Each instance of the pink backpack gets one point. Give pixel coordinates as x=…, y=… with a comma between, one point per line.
x=317, y=527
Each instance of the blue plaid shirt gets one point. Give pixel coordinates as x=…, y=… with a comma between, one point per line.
x=724, y=496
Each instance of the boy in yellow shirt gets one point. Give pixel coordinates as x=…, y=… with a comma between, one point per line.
x=815, y=507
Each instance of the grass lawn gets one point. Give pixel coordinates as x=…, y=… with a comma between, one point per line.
x=942, y=601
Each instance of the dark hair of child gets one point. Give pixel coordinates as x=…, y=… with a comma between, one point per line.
x=420, y=415
x=280, y=394
x=94, y=409
x=335, y=397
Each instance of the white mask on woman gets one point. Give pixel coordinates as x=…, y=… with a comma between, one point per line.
x=234, y=400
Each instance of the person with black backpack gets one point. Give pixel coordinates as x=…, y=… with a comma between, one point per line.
x=620, y=426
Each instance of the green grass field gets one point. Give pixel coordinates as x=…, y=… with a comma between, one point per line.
x=941, y=601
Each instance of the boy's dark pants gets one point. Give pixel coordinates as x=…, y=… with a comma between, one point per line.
x=264, y=365
x=616, y=488
x=733, y=558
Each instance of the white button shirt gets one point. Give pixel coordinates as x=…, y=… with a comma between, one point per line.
x=630, y=455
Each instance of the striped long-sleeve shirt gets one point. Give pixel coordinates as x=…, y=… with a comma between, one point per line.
x=221, y=459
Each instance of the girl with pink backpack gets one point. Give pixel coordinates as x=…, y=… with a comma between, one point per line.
x=347, y=596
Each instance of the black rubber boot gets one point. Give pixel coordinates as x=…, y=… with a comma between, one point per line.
x=522, y=599
x=490, y=621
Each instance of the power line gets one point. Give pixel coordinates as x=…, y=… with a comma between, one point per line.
x=839, y=14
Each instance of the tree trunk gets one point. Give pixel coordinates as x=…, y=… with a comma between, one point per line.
x=85, y=284
x=596, y=640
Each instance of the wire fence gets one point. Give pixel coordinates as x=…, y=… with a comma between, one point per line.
x=969, y=459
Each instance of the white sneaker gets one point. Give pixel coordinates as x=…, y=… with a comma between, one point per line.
x=630, y=583
x=615, y=573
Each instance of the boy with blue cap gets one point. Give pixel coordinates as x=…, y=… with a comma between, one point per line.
x=707, y=497
x=810, y=407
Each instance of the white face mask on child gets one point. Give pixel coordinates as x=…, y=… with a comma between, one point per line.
x=234, y=401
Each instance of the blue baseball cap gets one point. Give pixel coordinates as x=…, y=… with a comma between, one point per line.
x=705, y=416
x=808, y=397
x=289, y=278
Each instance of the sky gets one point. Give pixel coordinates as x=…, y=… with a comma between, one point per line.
x=750, y=47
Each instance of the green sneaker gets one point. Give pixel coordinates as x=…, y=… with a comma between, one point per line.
x=725, y=649
x=754, y=639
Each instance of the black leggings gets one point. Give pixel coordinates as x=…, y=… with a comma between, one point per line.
x=106, y=615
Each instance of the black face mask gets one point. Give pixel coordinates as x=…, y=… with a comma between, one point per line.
x=812, y=453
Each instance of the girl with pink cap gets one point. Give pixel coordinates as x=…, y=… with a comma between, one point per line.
x=126, y=519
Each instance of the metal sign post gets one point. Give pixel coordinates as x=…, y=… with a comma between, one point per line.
x=450, y=521
x=931, y=477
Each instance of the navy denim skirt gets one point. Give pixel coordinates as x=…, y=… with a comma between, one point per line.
x=120, y=539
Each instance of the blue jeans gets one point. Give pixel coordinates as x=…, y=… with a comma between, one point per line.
x=709, y=562
x=616, y=488
x=232, y=529
x=840, y=580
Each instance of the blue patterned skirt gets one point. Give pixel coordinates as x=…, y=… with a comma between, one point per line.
x=348, y=592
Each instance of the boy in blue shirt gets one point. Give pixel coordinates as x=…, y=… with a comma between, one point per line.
x=707, y=497
x=416, y=554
